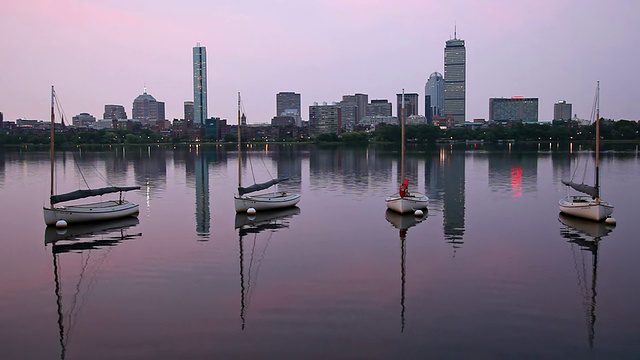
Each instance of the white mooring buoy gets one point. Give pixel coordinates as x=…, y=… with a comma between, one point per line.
x=610, y=221
x=251, y=211
x=61, y=224
x=418, y=212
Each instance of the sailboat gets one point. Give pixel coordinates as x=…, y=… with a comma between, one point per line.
x=587, y=236
x=589, y=206
x=405, y=201
x=403, y=223
x=83, y=212
x=244, y=200
x=270, y=221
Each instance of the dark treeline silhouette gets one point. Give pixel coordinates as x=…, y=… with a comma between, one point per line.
x=609, y=130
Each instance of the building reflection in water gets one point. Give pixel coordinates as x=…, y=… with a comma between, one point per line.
x=445, y=181
x=150, y=170
x=513, y=172
x=341, y=168
x=197, y=159
x=2, y=171
x=203, y=215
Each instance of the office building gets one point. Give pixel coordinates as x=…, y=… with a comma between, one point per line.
x=147, y=108
x=114, y=112
x=562, y=111
x=325, y=119
x=288, y=104
x=188, y=112
x=455, y=80
x=360, y=101
x=410, y=105
x=83, y=119
x=516, y=108
x=199, y=84
x=379, y=108
x=434, y=96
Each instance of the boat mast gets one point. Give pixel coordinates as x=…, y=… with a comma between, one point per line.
x=597, y=182
x=51, y=150
x=239, y=146
x=403, y=140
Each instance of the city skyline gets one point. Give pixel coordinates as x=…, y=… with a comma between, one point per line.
x=547, y=50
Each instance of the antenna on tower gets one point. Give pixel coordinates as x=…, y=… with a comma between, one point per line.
x=455, y=31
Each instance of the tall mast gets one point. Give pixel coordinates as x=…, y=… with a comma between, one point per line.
x=51, y=150
x=597, y=182
x=239, y=146
x=403, y=140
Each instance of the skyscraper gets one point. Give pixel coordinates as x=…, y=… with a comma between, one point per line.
x=146, y=107
x=561, y=111
x=379, y=108
x=516, y=108
x=455, y=79
x=288, y=104
x=188, y=112
x=199, y=84
x=410, y=105
x=114, y=112
x=434, y=96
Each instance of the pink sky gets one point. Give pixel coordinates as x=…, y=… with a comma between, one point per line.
x=98, y=52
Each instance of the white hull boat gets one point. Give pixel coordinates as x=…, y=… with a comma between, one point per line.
x=590, y=206
x=245, y=199
x=104, y=210
x=268, y=201
x=81, y=213
x=585, y=207
x=405, y=201
x=408, y=203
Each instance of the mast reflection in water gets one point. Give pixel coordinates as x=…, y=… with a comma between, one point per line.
x=82, y=239
x=264, y=221
x=403, y=222
x=585, y=235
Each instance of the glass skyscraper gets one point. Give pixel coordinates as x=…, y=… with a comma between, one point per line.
x=455, y=80
x=434, y=92
x=199, y=84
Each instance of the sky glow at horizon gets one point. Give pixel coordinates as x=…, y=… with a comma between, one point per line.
x=104, y=52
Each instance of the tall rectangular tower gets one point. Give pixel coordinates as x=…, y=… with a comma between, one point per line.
x=562, y=111
x=288, y=103
x=455, y=79
x=199, y=84
x=410, y=105
x=434, y=90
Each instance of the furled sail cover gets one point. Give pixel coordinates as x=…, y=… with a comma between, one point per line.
x=261, y=186
x=79, y=194
x=583, y=188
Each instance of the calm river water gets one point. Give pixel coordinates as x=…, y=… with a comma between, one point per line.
x=493, y=271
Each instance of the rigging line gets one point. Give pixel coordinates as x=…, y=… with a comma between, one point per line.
x=265, y=166
x=66, y=137
x=253, y=174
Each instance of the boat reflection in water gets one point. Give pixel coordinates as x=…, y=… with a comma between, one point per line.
x=586, y=236
x=403, y=222
x=81, y=240
x=262, y=222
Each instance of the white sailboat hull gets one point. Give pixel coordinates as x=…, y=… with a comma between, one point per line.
x=105, y=210
x=585, y=207
x=268, y=201
x=408, y=203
